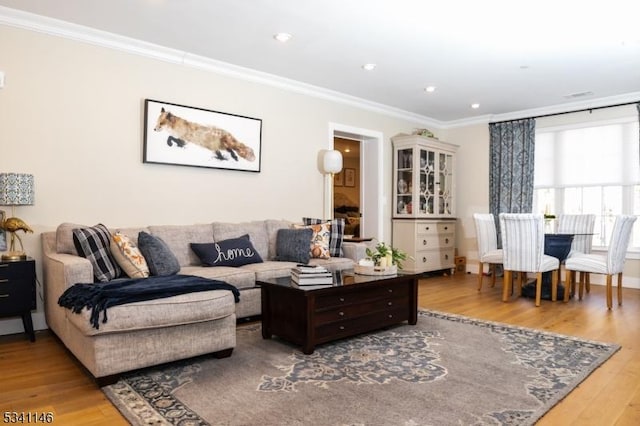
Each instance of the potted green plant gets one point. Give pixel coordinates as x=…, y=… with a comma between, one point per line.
x=385, y=255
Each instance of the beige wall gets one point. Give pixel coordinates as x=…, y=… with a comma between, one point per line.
x=72, y=114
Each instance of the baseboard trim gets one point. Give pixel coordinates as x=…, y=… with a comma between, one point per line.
x=14, y=325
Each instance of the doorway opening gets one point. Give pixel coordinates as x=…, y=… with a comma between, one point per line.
x=366, y=177
x=346, y=186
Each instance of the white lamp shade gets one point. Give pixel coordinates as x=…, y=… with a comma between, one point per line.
x=16, y=189
x=331, y=162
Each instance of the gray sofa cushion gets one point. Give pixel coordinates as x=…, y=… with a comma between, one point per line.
x=292, y=245
x=273, y=226
x=159, y=257
x=179, y=237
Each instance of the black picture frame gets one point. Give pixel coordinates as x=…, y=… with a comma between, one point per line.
x=190, y=136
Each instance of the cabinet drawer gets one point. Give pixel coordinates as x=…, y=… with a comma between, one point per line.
x=14, y=270
x=351, y=312
x=347, y=298
x=361, y=324
x=435, y=259
x=16, y=297
x=426, y=228
x=434, y=241
x=435, y=228
x=428, y=260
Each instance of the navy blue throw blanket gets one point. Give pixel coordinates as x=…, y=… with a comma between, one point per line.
x=98, y=297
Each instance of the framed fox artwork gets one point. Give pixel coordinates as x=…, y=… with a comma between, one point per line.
x=189, y=136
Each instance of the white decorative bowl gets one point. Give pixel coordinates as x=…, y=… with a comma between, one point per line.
x=375, y=270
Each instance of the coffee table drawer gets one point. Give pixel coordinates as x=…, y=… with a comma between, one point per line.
x=353, y=326
x=351, y=311
x=362, y=296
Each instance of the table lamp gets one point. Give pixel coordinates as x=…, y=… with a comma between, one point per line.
x=16, y=189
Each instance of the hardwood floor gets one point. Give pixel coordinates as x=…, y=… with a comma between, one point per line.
x=43, y=377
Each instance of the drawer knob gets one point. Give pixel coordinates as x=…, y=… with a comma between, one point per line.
x=446, y=228
x=424, y=242
x=390, y=316
x=446, y=240
x=341, y=314
x=342, y=327
x=446, y=256
x=424, y=260
x=390, y=290
x=389, y=303
x=426, y=228
x=342, y=299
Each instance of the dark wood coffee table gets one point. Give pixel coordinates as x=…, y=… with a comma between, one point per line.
x=354, y=304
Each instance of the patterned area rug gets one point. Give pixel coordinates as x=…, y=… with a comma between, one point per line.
x=446, y=370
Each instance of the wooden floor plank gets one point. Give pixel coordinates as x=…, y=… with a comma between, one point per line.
x=42, y=376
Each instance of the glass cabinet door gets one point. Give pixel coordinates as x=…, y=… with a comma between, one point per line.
x=427, y=181
x=424, y=181
x=445, y=195
x=404, y=178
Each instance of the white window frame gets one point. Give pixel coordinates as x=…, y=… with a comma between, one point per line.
x=559, y=191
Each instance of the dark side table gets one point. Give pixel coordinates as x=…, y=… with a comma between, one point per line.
x=18, y=291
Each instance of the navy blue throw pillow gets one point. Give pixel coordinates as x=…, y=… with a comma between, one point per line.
x=232, y=252
x=293, y=245
x=158, y=255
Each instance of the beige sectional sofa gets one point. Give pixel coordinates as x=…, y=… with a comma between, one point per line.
x=152, y=332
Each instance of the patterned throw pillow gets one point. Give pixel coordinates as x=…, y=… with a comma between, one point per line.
x=126, y=253
x=159, y=257
x=93, y=244
x=337, y=233
x=231, y=252
x=292, y=245
x=319, y=247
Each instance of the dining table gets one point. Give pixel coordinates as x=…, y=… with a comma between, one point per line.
x=558, y=246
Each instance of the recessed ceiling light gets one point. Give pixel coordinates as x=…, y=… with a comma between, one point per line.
x=430, y=89
x=283, y=37
x=369, y=67
x=475, y=106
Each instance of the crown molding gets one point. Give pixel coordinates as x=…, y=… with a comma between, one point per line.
x=55, y=27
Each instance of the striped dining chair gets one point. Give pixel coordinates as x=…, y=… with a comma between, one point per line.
x=523, y=249
x=488, y=251
x=581, y=226
x=610, y=264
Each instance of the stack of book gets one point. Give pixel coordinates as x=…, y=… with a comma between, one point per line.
x=311, y=276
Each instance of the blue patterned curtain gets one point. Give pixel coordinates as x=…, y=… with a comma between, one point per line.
x=638, y=107
x=511, y=153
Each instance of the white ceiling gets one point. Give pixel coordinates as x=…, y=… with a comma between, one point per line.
x=509, y=56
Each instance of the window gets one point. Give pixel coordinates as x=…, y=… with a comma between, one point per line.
x=590, y=167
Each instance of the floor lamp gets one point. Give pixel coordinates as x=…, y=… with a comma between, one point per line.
x=330, y=163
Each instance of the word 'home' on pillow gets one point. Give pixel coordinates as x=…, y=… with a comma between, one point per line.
x=230, y=252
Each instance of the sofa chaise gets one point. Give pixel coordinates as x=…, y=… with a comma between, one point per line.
x=152, y=332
